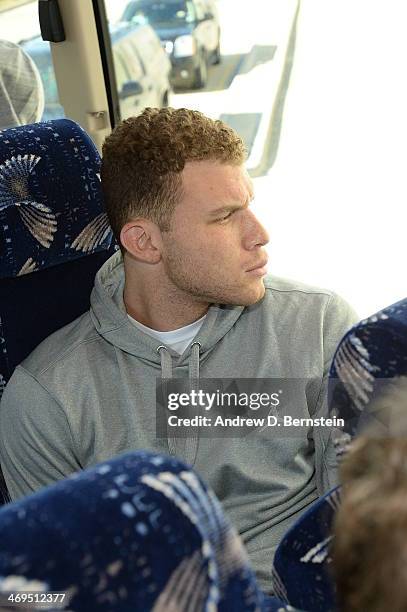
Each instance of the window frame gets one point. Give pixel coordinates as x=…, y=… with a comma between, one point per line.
x=106, y=54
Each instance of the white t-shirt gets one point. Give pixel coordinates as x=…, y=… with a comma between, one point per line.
x=177, y=339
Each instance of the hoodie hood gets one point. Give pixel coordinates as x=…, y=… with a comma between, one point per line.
x=111, y=321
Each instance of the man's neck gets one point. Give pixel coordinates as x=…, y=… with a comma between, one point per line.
x=160, y=320
x=158, y=306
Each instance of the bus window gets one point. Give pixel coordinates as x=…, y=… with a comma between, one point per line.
x=19, y=24
x=146, y=61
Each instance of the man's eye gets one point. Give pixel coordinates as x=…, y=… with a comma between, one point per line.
x=226, y=217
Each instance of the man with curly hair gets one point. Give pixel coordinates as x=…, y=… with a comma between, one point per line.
x=186, y=296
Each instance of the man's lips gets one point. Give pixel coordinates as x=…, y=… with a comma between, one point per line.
x=259, y=266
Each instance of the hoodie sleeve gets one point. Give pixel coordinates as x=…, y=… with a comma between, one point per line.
x=338, y=318
x=36, y=444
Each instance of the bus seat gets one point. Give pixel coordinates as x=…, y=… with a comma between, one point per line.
x=371, y=353
x=54, y=233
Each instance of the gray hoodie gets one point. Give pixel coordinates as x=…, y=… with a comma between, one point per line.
x=87, y=393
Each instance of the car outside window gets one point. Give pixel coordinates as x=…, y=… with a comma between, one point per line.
x=122, y=74
x=160, y=12
x=148, y=47
x=130, y=55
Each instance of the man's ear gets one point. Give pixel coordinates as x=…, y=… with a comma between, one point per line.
x=141, y=238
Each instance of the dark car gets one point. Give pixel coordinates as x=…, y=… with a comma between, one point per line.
x=142, y=70
x=189, y=31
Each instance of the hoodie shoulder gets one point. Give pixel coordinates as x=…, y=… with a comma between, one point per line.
x=290, y=296
x=301, y=306
x=285, y=285
x=60, y=344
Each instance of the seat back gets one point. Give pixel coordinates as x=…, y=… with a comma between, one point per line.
x=54, y=233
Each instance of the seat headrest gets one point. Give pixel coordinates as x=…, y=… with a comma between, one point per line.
x=51, y=207
x=371, y=354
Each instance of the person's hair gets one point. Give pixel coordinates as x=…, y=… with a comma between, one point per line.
x=143, y=158
x=370, y=532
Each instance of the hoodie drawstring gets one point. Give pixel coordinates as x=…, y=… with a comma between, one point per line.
x=194, y=361
x=166, y=361
x=185, y=448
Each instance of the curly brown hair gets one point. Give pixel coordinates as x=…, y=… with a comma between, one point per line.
x=144, y=156
x=370, y=547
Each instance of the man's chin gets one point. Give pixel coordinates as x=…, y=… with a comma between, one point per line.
x=247, y=297
x=255, y=296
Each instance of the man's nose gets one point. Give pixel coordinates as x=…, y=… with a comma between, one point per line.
x=256, y=233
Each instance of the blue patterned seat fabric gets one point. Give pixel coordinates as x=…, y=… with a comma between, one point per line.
x=139, y=532
x=50, y=197
x=372, y=352
x=54, y=233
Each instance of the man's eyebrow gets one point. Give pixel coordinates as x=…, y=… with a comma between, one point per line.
x=230, y=208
